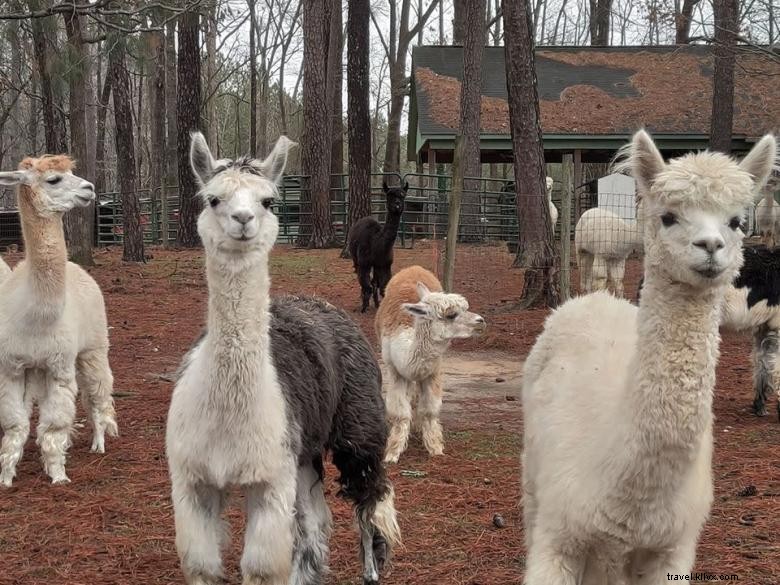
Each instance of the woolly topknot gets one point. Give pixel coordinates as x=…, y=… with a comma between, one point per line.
x=48, y=162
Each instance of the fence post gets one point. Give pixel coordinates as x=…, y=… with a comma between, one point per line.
x=567, y=177
x=164, y=214
x=453, y=214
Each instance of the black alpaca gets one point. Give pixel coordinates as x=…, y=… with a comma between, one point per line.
x=371, y=246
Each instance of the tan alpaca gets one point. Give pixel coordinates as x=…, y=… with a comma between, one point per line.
x=53, y=329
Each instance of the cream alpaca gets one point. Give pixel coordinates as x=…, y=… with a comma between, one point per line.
x=52, y=326
x=5, y=270
x=617, y=401
x=603, y=242
x=413, y=348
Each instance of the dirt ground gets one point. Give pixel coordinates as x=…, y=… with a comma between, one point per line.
x=113, y=524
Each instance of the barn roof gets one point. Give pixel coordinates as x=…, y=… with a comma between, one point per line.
x=595, y=97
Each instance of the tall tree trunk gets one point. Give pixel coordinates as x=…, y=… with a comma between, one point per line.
x=460, y=14
x=358, y=121
x=721, y=123
x=252, y=77
x=188, y=119
x=171, y=93
x=51, y=124
x=316, y=229
x=157, y=103
x=79, y=223
x=125, y=152
x=470, y=102
x=600, y=13
x=210, y=103
x=682, y=21
x=335, y=84
x=535, y=247
x=100, y=140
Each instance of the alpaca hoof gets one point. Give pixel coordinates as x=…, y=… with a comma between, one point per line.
x=6, y=479
x=370, y=582
x=98, y=445
x=435, y=451
x=60, y=478
x=391, y=458
x=762, y=411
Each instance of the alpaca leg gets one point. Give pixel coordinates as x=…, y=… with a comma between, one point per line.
x=547, y=562
x=199, y=531
x=57, y=411
x=653, y=568
x=399, y=415
x=530, y=505
x=586, y=272
x=765, y=347
x=616, y=269
x=313, y=518
x=270, y=527
x=428, y=409
x=598, y=274
x=364, y=277
x=15, y=423
x=375, y=286
x=96, y=384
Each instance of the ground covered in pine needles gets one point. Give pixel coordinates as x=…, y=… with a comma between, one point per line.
x=113, y=524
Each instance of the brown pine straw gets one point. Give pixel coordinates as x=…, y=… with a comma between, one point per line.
x=113, y=524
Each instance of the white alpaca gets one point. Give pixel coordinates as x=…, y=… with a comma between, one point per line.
x=413, y=348
x=263, y=394
x=603, y=241
x=52, y=326
x=5, y=270
x=768, y=219
x=617, y=400
x=553, y=210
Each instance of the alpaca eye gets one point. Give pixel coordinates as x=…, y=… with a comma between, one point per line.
x=267, y=202
x=668, y=219
x=735, y=223
x=213, y=201
x=54, y=180
x=450, y=316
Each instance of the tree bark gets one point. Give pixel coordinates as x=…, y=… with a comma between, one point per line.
x=210, y=103
x=316, y=229
x=51, y=124
x=252, y=77
x=359, y=120
x=171, y=93
x=470, y=109
x=535, y=247
x=459, y=11
x=682, y=21
x=188, y=119
x=100, y=140
x=335, y=84
x=600, y=13
x=79, y=223
x=156, y=42
x=721, y=123
x=125, y=152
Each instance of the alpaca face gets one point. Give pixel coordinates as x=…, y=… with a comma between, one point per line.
x=395, y=197
x=238, y=196
x=51, y=190
x=693, y=209
x=447, y=313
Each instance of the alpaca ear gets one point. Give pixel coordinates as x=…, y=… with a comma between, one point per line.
x=417, y=310
x=422, y=290
x=761, y=160
x=384, y=186
x=273, y=165
x=406, y=186
x=11, y=178
x=201, y=161
x=643, y=159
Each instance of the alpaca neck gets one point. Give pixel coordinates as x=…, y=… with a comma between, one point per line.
x=239, y=303
x=424, y=343
x=390, y=229
x=674, y=369
x=45, y=251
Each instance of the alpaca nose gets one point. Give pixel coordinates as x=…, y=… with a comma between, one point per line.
x=243, y=217
x=710, y=243
x=88, y=186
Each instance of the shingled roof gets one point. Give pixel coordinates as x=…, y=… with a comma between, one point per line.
x=599, y=92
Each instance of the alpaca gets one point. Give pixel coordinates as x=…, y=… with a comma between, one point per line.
x=5, y=270
x=371, y=246
x=53, y=329
x=617, y=399
x=415, y=325
x=553, y=210
x=752, y=303
x=768, y=219
x=268, y=388
x=603, y=242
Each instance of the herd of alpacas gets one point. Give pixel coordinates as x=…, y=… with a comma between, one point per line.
x=617, y=398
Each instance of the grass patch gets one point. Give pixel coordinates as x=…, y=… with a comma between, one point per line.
x=483, y=445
